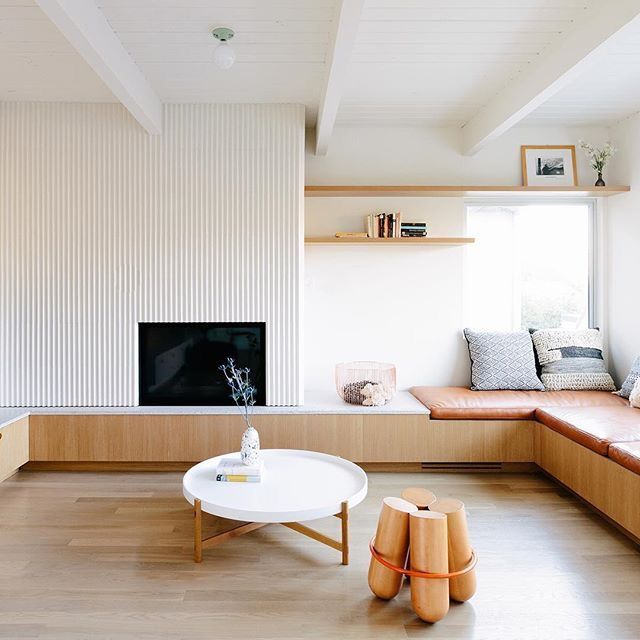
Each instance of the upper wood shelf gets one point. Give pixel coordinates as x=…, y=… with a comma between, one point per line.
x=435, y=191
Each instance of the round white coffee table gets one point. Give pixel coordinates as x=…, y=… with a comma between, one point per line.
x=296, y=485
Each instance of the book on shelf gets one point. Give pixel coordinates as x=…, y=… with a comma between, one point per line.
x=383, y=225
x=413, y=229
x=233, y=470
x=369, y=223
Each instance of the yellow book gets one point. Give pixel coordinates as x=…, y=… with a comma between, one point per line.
x=229, y=478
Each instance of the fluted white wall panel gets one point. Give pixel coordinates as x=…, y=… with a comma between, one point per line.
x=103, y=226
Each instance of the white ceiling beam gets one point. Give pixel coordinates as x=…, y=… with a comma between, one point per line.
x=555, y=68
x=87, y=30
x=337, y=67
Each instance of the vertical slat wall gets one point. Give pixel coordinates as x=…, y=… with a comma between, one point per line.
x=103, y=226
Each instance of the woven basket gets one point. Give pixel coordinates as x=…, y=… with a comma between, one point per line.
x=352, y=377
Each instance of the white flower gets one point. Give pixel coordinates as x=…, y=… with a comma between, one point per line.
x=599, y=157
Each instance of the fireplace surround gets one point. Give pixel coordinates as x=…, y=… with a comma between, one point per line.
x=179, y=361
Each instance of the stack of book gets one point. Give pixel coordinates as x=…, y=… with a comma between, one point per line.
x=413, y=229
x=383, y=225
x=232, y=470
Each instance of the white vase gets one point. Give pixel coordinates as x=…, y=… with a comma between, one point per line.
x=250, y=447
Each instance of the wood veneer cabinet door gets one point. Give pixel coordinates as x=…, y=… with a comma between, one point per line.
x=133, y=438
x=602, y=482
x=480, y=440
x=394, y=438
x=186, y=438
x=416, y=438
x=14, y=447
x=335, y=434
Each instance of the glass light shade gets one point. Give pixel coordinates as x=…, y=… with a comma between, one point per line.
x=224, y=56
x=353, y=377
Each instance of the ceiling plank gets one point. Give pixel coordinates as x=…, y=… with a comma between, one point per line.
x=556, y=67
x=87, y=30
x=338, y=62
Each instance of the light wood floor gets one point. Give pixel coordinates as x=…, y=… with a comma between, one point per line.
x=100, y=556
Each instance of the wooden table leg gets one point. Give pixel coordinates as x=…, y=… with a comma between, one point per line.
x=197, y=531
x=344, y=523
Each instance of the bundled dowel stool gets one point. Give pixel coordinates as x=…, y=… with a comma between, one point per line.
x=436, y=538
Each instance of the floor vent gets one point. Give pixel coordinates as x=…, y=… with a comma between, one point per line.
x=461, y=466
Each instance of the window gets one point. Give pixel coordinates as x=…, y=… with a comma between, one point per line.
x=530, y=266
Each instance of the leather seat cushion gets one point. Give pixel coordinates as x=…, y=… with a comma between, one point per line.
x=626, y=454
x=460, y=403
x=593, y=427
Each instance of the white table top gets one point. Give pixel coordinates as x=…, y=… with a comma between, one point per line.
x=296, y=486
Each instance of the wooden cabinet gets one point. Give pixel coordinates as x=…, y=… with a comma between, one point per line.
x=380, y=437
x=608, y=486
x=394, y=438
x=185, y=438
x=415, y=438
x=14, y=447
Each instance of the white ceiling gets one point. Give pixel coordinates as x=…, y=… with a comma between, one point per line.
x=607, y=93
x=281, y=47
x=37, y=62
x=438, y=62
x=431, y=62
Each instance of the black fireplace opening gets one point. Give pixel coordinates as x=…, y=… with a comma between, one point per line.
x=179, y=361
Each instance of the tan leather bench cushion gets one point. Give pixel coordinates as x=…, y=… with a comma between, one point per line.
x=460, y=403
x=593, y=427
x=626, y=454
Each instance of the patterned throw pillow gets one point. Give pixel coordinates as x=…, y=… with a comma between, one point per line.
x=634, y=374
x=572, y=360
x=634, y=396
x=502, y=361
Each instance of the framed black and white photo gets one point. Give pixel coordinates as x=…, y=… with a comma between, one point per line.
x=549, y=166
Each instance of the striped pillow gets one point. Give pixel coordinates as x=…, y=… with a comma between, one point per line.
x=572, y=360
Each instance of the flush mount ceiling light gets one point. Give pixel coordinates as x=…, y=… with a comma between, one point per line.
x=224, y=56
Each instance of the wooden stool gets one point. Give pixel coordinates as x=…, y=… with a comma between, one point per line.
x=460, y=553
x=429, y=597
x=422, y=498
x=391, y=543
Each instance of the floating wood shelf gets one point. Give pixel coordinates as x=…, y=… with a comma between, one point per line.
x=429, y=240
x=434, y=191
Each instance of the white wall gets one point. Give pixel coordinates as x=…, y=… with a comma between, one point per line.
x=103, y=226
x=401, y=304
x=623, y=241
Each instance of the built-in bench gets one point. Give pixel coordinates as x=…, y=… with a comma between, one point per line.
x=461, y=403
x=588, y=440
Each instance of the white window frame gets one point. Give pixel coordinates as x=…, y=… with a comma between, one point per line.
x=594, y=301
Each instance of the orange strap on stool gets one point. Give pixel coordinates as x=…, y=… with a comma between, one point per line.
x=421, y=574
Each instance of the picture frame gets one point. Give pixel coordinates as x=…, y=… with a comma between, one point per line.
x=551, y=165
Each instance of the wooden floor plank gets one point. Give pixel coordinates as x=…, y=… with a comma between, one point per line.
x=91, y=555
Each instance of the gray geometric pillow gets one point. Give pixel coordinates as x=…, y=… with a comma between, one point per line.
x=634, y=374
x=502, y=361
x=572, y=360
